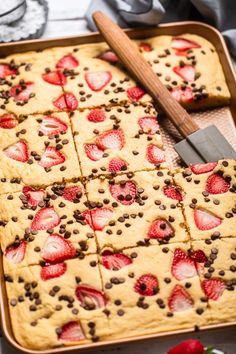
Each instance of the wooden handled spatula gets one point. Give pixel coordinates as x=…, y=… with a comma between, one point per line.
x=199, y=145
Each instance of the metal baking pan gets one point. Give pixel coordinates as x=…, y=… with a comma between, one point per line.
x=224, y=118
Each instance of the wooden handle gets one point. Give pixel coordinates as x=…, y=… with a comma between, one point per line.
x=130, y=56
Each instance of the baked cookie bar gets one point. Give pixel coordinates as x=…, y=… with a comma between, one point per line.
x=40, y=226
x=118, y=139
x=161, y=294
x=217, y=273
x=135, y=209
x=58, y=304
x=29, y=83
x=93, y=80
x=210, y=200
x=218, y=255
x=180, y=63
x=36, y=150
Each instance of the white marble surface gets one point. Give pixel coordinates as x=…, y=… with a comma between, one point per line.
x=66, y=17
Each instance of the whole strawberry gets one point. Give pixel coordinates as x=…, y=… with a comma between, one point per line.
x=189, y=346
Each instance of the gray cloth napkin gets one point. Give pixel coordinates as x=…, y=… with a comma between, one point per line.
x=129, y=13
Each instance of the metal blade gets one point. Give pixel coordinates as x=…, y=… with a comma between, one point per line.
x=205, y=145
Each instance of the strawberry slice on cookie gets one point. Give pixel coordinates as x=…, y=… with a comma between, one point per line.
x=186, y=72
x=160, y=229
x=205, y=220
x=51, y=271
x=55, y=78
x=45, y=219
x=98, y=218
x=124, y=192
x=115, y=261
x=33, y=196
x=51, y=157
x=68, y=62
x=51, y=126
x=8, y=121
x=15, y=253
x=111, y=139
x=179, y=300
x=183, y=266
x=22, y=92
x=89, y=297
x=56, y=249
x=18, y=151
x=97, y=80
x=147, y=285
x=7, y=70
x=71, y=332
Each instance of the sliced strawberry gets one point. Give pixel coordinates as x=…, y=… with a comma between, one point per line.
x=56, y=249
x=66, y=102
x=135, y=93
x=51, y=157
x=97, y=80
x=8, y=121
x=203, y=167
x=93, y=152
x=111, y=139
x=45, y=219
x=182, y=94
x=51, y=271
x=181, y=53
x=72, y=193
x=116, y=165
x=115, y=261
x=186, y=72
x=67, y=62
x=199, y=258
x=71, y=332
x=147, y=285
x=98, y=218
x=189, y=346
x=183, y=266
x=51, y=126
x=205, y=220
x=109, y=56
x=17, y=151
x=160, y=229
x=16, y=252
x=173, y=192
x=22, y=92
x=179, y=300
x=124, y=193
x=154, y=154
x=89, y=297
x=71, y=101
x=60, y=102
x=34, y=196
x=148, y=125
x=216, y=184
x=6, y=70
x=145, y=47
x=54, y=78
x=96, y=115
x=213, y=288
x=180, y=43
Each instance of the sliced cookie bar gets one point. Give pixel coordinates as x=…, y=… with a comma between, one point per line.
x=118, y=139
x=135, y=209
x=37, y=150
